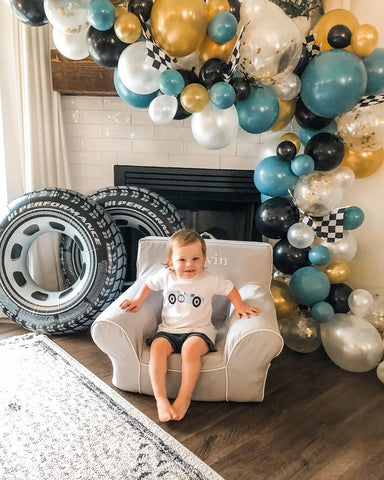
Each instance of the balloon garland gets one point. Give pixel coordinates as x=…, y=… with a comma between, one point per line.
x=231, y=63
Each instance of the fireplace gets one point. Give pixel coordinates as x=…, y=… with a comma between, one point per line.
x=220, y=202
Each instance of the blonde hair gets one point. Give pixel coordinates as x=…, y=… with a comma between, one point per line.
x=184, y=237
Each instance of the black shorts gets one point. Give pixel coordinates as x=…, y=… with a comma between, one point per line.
x=177, y=339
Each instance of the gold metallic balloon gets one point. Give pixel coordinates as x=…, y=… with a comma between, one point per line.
x=291, y=137
x=210, y=49
x=127, y=27
x=365, y=39
x=285, y=304
x=217, y=6
x=337, y=272
x=119, y=9
x=363, y=164
x=179, y=26
x=194, y=98
x=339, y=16
x=286, y=112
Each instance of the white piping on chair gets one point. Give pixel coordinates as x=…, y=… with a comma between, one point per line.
x=233, y=348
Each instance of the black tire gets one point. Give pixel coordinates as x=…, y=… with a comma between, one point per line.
x=137, y=212
x=103, y=261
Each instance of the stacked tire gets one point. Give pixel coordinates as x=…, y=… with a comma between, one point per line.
x=93, y=252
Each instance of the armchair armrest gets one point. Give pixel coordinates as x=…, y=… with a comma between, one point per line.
x=251, y=344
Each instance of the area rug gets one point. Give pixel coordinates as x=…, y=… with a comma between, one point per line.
x=59, y=421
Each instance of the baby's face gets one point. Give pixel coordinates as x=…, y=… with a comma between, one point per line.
x=187, y=261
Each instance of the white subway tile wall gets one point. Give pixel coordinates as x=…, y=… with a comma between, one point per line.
x=105, y=131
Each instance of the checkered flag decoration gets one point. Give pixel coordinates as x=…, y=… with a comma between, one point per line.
x=311, y=46
x=235, y=57
x=329, y=227
x=370, y=100
x=155, y=55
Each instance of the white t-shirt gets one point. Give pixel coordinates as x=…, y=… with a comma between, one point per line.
x=187, y=303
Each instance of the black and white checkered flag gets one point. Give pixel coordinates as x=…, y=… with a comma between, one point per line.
x=329, y=227
x=155, y=55
x=235, y=57
x=311, y=46
x=370, y=100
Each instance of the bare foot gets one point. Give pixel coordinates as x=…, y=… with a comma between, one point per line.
x=165, y=410
x=181, y=406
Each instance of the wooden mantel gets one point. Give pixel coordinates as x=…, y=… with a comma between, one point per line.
x=80, y=77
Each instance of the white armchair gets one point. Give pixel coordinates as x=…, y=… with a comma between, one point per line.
x=245, y=347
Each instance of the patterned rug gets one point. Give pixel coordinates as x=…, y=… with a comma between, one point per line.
x=59, y=421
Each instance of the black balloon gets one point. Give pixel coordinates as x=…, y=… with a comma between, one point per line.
x=213, y=71
x=288, y=259
x=338, y=297
x=339, y=36
x=30, y=12
x=303, y=61
x=274, y=217
x=141, y=8
x=307, y=119
x=326, y=149
x=242, y=88
x=286, y=151
x=234, y=8
x=104, y=47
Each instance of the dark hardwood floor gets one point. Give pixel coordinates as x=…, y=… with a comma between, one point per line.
x=317, y=422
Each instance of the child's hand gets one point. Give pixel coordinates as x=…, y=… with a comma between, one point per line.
x=130, y=305
x=246, y=310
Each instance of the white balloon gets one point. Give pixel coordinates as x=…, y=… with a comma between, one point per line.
x=360, y=302
x=344, y=175
x=68, y=16
x=162, y=109
x=72, y=46
x=137, y=75
x=343, y=250
x=250, y=8
x=287, y=86
x=214, y=128
x=300, y=235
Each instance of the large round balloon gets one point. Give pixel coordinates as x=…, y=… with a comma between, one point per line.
x=309, y=285
x=301, y=333
x=215, y=128
x=30, y=12
x=287, y=259
x=285, y=304
x=326, y=149
x=259, y=111
x=104, y=47
x=374, y=64
x=135, y=73
x=362, y=129
x=274, y=217
x=333, y=83
x=352, y=343
x=68, y=16
x=271, y=44
x=363, y=164
x=318, y=193
x=71, y=45
x=179, y=26
x=274, y=177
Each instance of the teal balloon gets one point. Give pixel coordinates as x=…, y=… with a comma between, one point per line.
x=322, y=312
x=171, y=82
x=319, y=255
x=305, y=135
x=302, y=164
x=222, y=95
x=259, y=111
x=274, y=177
x=101, y=14
x=353, y=218
x=134, y=99
x=333, y=82
x=309, y=285
x=222, y=28
x=374, y=64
